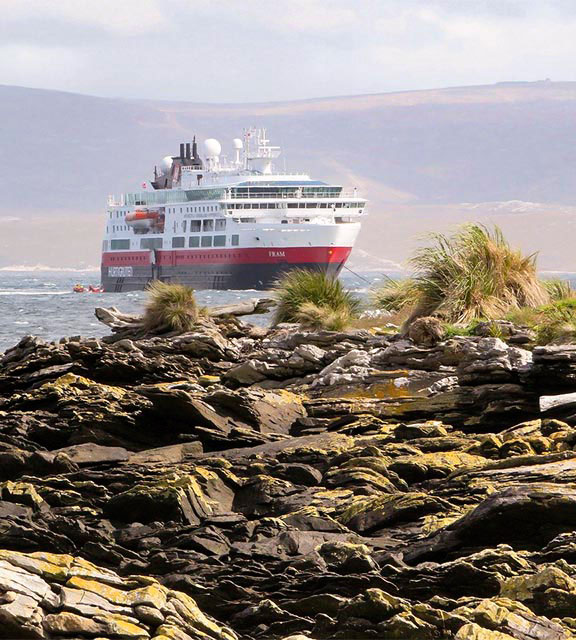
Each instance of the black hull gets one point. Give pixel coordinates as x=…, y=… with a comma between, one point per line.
x=241, y=276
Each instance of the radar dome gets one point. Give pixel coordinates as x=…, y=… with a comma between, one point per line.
x=238, y=144
x=212, y=147
x=166, y=164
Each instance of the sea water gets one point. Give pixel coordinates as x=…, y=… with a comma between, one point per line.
x=42, y=303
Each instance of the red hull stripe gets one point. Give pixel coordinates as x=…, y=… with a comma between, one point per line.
x=291, y=255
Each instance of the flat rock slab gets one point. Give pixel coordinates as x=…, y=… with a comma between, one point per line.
x=167, y=455
x=89, y=453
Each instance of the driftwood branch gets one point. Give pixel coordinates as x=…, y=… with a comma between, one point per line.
x=561, y=401
x=118, y=321
x=115, y=319
x=243, y=308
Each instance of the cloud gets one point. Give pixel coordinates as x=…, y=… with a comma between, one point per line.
x=37, y=65
x=260, y=50
x=279, y=16
x=128, y=17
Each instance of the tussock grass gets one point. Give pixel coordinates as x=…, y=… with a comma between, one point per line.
x=524, y=317
x=314, y=300
x=473, y=273
x=395, y=295
x=559, y=289
x=557, y=323
x=312, y=316
x=170, y=307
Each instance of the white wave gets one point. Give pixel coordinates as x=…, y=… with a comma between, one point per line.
x=22, y=268
x=566, y=274
x=31, y=292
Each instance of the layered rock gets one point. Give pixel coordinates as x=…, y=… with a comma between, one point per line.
x=286, y=484
x=47, y=595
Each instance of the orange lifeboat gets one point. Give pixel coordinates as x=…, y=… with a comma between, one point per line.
x=141, y=219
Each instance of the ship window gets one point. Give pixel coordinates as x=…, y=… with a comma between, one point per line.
x=151, y=243
x=219, y=241
x=206, y=241
x=235, y=240
x=116, y=245
x=194, y=241
x=184, y=226
x=220, y=225
x=195, y=225
x=208, y=225
x=178, y=243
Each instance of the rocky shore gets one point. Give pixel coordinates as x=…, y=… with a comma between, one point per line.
x=240, y=482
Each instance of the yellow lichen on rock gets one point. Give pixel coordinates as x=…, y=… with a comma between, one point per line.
x=153, y=595
x=50, y=565
x=36, y=605
x=72, y=383
x=21, y=492
x=523, y=587
x=472, y=631
x=122, y=626
x=189, y=611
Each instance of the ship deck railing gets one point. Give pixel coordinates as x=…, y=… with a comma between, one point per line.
x=291, y=195
x=140, y=199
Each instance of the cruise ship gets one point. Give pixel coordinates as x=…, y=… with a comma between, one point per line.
x=217, y=222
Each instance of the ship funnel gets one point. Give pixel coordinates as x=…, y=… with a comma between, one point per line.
x=196, y=162
x=182, y=156
x=188, y=156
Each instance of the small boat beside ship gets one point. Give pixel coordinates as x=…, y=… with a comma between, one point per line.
x=217, y=223
x=80, y=288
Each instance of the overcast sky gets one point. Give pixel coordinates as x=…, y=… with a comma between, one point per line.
x=261, y=50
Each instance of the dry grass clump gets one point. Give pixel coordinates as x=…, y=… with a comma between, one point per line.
x=314, y=299
x=314, y=317
x=471, y=274
x=170, y=307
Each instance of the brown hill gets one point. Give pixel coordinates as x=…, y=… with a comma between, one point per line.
x=417, y=155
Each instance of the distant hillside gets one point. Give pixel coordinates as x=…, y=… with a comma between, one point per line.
x=62, y=153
